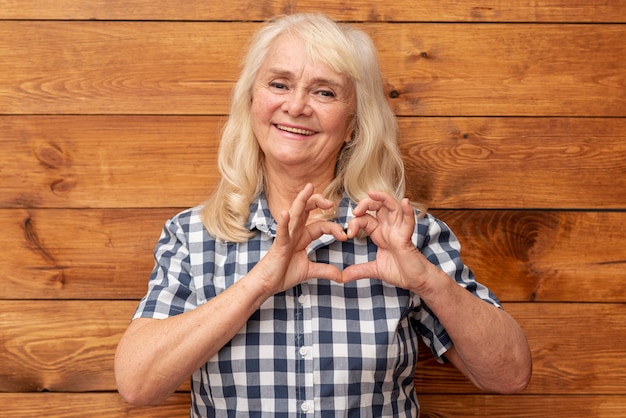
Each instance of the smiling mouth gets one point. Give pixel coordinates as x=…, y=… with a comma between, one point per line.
x=298, y=131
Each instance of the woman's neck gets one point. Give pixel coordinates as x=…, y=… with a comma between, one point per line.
x=281, y=191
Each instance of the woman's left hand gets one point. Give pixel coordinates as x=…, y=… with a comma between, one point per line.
x=489, y=346
x=398, y=261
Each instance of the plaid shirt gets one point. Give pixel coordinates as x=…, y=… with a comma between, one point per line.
x=320, y=349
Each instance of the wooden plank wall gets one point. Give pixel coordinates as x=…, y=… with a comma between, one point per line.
x=513, y=121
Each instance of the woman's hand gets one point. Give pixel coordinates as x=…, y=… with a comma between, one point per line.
x=489, y=346
x=287, y=263
x=398, y=262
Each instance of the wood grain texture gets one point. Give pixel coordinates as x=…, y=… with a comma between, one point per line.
x=513, y=130
x=356, y=10
x=166, y=161
x=429, y=69
x=576, y=349
x=516, y=162
x=82, y=405
x=110, y=405
x=521, y=255
x=68, y=346
x=79, y=254
x=113, y=162
x=544, y=256
x=525, y=406
x=60, y=345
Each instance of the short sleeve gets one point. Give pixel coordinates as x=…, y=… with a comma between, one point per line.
x=170, y=288
x=441, y=247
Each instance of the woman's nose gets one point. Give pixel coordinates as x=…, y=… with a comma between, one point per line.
x=296, y=104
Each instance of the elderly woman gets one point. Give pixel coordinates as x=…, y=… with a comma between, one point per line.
x=304, y=282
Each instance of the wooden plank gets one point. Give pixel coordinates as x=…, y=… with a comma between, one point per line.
x=357, y=10
x=152, y=161
x=520, y=255
x=545, y=256
x=429, y=69
x=108, y=162
x=67, y=345
x=79, y=254
x=576, y=349
x=60, y=345
x=108, y=67
x=516, y=162
x=110, y=405
x=80, y=405
x=521, y=406
x=494, y=70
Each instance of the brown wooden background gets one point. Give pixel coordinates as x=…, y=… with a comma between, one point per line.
x=513, y=121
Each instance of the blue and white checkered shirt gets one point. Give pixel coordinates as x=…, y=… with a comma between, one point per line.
x=321, y=349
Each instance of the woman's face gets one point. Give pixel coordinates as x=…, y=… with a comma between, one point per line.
x=301, y=111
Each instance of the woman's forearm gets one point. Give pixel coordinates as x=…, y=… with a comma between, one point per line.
x=489, y=346
x=155, y=356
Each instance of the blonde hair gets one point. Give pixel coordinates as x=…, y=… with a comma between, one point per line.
x=370, y=161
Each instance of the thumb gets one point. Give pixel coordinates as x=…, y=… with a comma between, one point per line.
x=325, y=271
x=359, y=271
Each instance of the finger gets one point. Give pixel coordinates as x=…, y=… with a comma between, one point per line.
x=298, y=208
x=407, y=210
x=324, y=271
x=408, y=216
x=319, y=228
x=300, y=202
x=366, y=204
x=385, y=199
x=283, y=243
x=359, y=271
x=366, y=222
x=376, y=201
x=318, y=201
x=378, y=195
x=282, y=226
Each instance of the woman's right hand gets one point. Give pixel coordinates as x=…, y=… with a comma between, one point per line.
x=287, y=263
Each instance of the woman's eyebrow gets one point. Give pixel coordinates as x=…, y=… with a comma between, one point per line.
x=280, y=72
x=318, y=80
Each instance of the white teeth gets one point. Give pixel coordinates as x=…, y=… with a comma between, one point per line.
x=295, y=130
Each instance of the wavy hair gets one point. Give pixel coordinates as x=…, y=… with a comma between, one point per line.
x=370, y=161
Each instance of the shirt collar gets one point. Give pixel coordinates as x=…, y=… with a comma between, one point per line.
x=261, y=219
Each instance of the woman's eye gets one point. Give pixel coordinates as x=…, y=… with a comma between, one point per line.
x=277, y=85
x=326, y=93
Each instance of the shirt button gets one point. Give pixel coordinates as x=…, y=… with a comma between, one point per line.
x=301, y=299
x=305, y=407
x=304, y=351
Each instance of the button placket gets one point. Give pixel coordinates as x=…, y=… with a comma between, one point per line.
x=305, y=350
